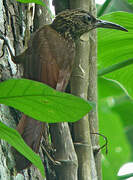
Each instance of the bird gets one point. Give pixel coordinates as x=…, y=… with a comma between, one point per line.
x=49, y=59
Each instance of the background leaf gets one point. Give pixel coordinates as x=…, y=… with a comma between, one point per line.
x=123, y=106
x=13, y=137
x=113, y=5
x=42, y=102
x=116, y=46
x=32, y=1
x=108, y=88
x=113, y=107
x=130, y=2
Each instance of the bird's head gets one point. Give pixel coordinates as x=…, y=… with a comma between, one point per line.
x=76, y=22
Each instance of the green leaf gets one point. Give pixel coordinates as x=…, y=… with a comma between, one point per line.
x=32, y=1
x=42, y=102
x=13, y=137
x=108, y=88
x=103, y=7
x=116, y=46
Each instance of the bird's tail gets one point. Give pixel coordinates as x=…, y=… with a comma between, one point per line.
x=31, y=131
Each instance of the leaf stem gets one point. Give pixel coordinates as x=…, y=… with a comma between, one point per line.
x=103, y=8
x=115, y=67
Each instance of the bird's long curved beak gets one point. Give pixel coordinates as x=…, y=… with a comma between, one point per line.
x=110, y=25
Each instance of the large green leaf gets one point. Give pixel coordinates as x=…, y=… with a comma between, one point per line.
x=13, y=137
x=116, y=46
x=42, y=102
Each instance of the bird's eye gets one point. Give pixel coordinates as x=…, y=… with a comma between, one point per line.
x=86, y=19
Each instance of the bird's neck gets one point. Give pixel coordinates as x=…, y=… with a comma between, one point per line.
x=66, y=30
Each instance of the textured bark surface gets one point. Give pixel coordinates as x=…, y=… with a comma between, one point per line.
x=64, y=152
x=8, y=70
x=61, y=5
x=16, y=24
x=79, y=86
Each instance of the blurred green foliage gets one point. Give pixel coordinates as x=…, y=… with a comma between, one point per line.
x=115, y=90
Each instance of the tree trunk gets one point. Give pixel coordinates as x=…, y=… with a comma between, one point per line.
x=17, y=22
x=84, y=80
x=10, y=27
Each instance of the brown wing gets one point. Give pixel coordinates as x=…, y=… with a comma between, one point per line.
x=51, y=58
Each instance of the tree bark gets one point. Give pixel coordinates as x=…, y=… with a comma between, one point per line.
x=16, y=24
x=81, y=84
x=10, y=27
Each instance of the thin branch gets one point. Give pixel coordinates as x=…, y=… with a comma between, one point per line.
x=105, y=145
